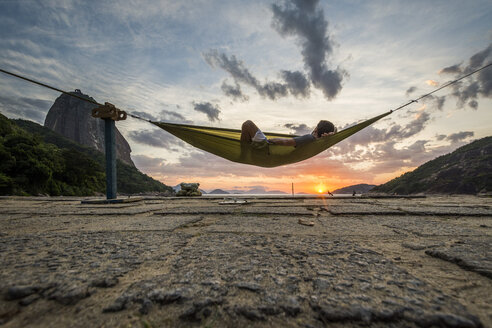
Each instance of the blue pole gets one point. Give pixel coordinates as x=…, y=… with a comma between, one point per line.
x=110, y=149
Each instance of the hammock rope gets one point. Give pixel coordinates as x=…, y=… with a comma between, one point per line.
x=226, y=143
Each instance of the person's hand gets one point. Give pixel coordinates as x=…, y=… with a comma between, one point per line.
x=326, y=134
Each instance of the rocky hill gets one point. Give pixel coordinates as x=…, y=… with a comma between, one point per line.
x=467, y=170
x=35, y=160
x=358, y=188
x=71, y=117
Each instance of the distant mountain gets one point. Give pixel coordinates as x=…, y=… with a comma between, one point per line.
x=72, y=118
x=467, y=170
x=218, y=192
x=35, y=160
x=358, y=188
x=261, y=191
x=258, y=190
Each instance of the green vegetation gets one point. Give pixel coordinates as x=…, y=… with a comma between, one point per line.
x=467, y=170
x=34, y=160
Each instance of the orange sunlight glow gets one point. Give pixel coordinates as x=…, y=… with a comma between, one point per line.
x=432, y=83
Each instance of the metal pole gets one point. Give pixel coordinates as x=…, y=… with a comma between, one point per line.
x=110, y=149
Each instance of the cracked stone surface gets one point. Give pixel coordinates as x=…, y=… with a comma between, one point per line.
x=183, y=262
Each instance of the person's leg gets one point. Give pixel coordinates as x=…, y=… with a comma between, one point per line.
x=248, y=131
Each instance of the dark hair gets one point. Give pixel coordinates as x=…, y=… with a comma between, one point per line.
x=325, y=127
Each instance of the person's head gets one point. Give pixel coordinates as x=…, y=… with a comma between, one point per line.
x=324, y=127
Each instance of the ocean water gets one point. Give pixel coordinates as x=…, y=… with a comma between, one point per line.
x=279, y=195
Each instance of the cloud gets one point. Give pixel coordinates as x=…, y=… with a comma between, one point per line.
x=467, y=91
x=297, y=83
x=27, y=108
x=299, y=129
x=212, y=111
x=171, y=116
x=453, y=69
x=147, y=163
x=241, y=74
x=233, y=91
x=305, y=21
x=371, y=134
x=436, y=101
x=478, y=59
x=156, y=138
x=410, y=91
x=411, y=129
x=460, y=136
x=439, y=101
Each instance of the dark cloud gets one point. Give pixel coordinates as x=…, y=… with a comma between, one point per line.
x=273, y=90
x=453, y=69
x=305, y=21
x=439, y=101
x=171, y=116
x=467, y=91
x=473, y=104
x=297, y=83
x=299, y=129
x=410, y=91
x=478, y=59
x=440, y=137
x=460, y=136
x=212, y=111
x=231, y=65
x=26, y=108
x=436, y=101
x=156, y=138
x=233, y=91
x=241, y=74
x=412, y=128
x=485, y=80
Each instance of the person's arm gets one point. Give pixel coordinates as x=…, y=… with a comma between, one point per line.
x=282, y=141
x=327, y=134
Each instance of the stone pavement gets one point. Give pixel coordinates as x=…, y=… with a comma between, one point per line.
x=180, y=262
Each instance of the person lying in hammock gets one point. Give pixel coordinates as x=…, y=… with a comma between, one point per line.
x=251, y=134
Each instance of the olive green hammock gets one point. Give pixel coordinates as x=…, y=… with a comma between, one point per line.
x=226, y=143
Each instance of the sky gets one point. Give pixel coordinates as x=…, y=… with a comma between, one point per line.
x=283, y=64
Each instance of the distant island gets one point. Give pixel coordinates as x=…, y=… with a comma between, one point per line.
x=258, y=190
x=219, y=192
